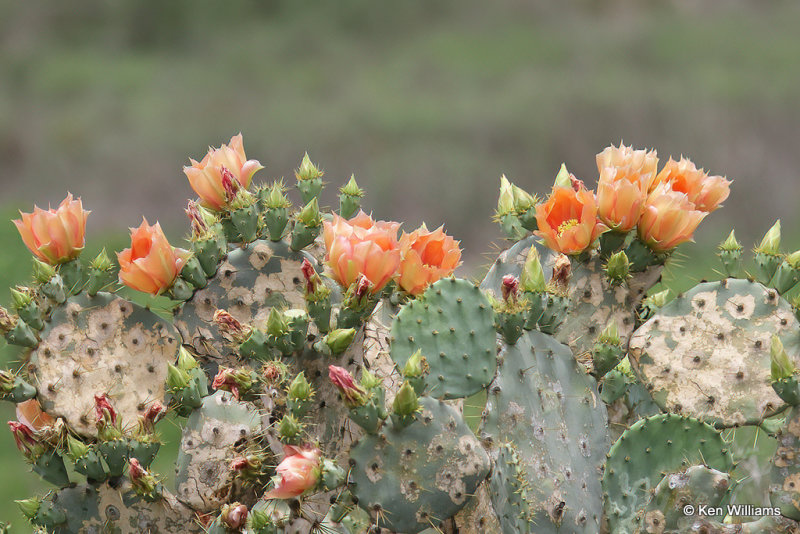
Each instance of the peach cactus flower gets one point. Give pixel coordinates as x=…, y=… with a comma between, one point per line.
x=151, y=265
x=30, y=414
x=298, y=472
x=704, y=191
x=625, y=178
x=641, y=164
x=568, y=220
x=54, y=236
x=361, y=246
x=426, y=257
x=206, y=176
x=668, y=219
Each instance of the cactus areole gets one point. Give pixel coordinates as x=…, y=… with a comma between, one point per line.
x=328, y=371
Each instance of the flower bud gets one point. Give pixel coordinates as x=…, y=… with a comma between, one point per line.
x=731, y=244
x=310, y=215
x=76, y=449
x=618, y=268
x=176, y=378
x=415, y=366
x=350, y=198
x=563, y=177
x=42, y=272
x=29, y=507
x=21, y=297
x=532, y=277
x=406, y=402
x=289, y=428
x=186, y=361
x=505, y=203
x=300, y=389
x=307, y=170
x=771, y=243
x=338, y=340
x=780, y=363
x=352, y=395
x=277, y=325
x=657, y=300
x=275, y=196
x=793, y=259
x=368, y=380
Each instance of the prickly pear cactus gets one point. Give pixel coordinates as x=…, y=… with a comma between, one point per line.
x=330, y=375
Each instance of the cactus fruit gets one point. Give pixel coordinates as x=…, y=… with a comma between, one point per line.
x=347, y=399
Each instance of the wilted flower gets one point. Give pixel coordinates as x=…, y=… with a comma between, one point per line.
x=30, y=414
x=352, y=394
x=568, y=220
x=298, y=472
x=230, y=326
x=426, y=257
x=510, y=288
x=234, y=516
x=704, y=191
x=206, y=176
x=151, y=265
x=362, y=246
x=668, y=219
x=54, y=236
x=23, y=437
x=235, y=381
x=103, y=410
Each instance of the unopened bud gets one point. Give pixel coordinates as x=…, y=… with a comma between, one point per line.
x=300, y=389
x=368, y=380
x=309, y=215
x=276, y=197
x=562, y=178
x=415, y=366
x=307, y=170
x=406, y=401
x=186, y=361
x=656, y=300
x=793, y=260
x=771, y=243
x=780, y=363
x=610, y=335
x=29, y=507
x=21, y=297
x=505, y=203
x=289, y=427
x=618, y=268
x=731, y=244
x=532, y=278
x=176, y=378
x=523, y=201
x=351, y=189
x=338, y=340
x=43, y=272
x=277, y=325
x=76, y=449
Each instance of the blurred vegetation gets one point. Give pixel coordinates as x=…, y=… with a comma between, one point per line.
x=428, y=102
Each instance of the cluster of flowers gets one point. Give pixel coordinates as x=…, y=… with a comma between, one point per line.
x=358, y=247
x=665, y=207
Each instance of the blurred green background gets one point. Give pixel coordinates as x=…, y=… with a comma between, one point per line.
x=427, y=102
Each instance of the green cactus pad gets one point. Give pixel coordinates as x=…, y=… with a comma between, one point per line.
x=211, y=438
x=696, y=485
x=411, y=479
x=707, y=353
x=509, y=492
x=543, y=403
x=248, y=284
x=90, y=509
x=593, y=300
x=785, y=472
x=102, y=344
x=452, y=324
x=647, y=451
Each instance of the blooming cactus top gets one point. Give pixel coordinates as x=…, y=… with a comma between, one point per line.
x=54, y=236
x=151, y=264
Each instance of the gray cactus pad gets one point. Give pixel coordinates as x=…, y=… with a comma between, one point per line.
x=413, y=478
x=211, y=438
x=543, y=403
x=707, y=353
x=248, y=284
x=102, y=344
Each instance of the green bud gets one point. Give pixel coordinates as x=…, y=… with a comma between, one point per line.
x=102, y=262
x=771, y=244
x=562, y=178
x=309, y=215
x=338, y=340
x=289, y=427
x=415, y=366
x=331, y=475
x=275, y=196
x=780, y=363
x=258, y=520
x=277, y=325
x=42, y=272
x=523, y=201
x=406, y=402
x=20, y=297
x=656, y=300
x=505, y=204
x=176, y=378
x=731, y=244
x=186, y=361
x=300, y=389
x=76, y=449
x=610, y=335
x=793, y=260
x=351, y=189
x=618, y=268
x=532, y=278
x=368, y=380
x=29, y=507
x=307, y=170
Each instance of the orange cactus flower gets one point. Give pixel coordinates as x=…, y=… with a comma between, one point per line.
x=704, y=191
x=641, y=165
x=361, y=246
x=620, y=198
x=668, y=219
x=568, y=220
x=298, y=472
x=151, y=264
x=30, y=414
x=206, y=176
x=426, y=257
x=54, y=236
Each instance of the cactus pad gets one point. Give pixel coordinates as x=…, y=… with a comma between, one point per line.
x=707, y=353
x=452, y=324
x=647, y=451
x=102, y=344
x=543, y=403
x=785, y=473
x=414, y=478
x=696, y=485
